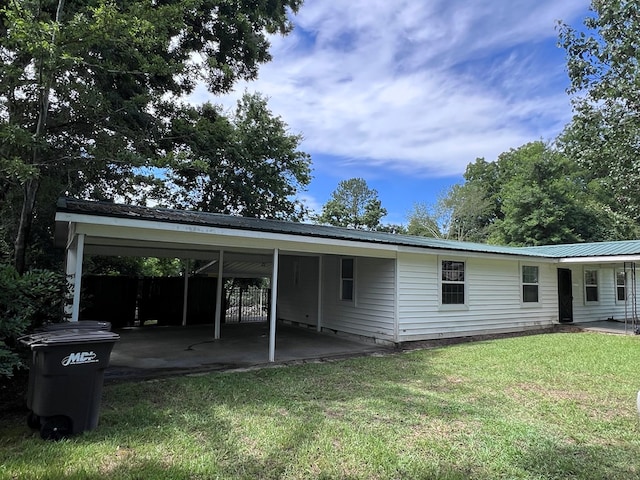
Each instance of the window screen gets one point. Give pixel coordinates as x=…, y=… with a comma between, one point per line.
x=529, y=284
x=453, y=282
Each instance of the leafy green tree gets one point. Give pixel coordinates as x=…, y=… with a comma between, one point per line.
x=423, y=222
x=26, y=301
x=542, y=199
x=133, y=266
x=469, y=211
x=354, y=205
x=87, y=88
x=532, y=195
x=466, y=211
x=602, y=62
x=395, y=228
x=248, y=164
x=463, y=212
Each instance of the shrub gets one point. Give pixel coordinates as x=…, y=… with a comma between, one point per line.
x=26, y=302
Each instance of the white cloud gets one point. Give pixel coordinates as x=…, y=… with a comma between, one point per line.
x=419, y=86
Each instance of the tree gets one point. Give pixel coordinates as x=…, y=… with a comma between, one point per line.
x=245, y=165
x=469, y=211
x=353, y=204
x=395, y=228
x=532, y=195
x=543, y=199
x=26, y=301
x=86, y=89
x=424, y=221
x=602, y=62
x=463, y=212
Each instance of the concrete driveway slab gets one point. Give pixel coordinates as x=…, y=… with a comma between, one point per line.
x=154, y=351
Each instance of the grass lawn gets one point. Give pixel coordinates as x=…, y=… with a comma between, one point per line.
x=543, y=406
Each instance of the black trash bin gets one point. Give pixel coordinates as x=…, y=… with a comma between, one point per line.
x=65, y=379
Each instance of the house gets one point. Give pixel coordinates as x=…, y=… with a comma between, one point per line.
x=384, y=287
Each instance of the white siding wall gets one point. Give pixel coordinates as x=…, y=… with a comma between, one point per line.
x=606, y=306
x=298, y=289
x=493, y=293
x=493, y=298
x=372, y=313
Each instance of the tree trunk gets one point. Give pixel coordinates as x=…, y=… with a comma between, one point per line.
x=26, y=218
x=31, y=186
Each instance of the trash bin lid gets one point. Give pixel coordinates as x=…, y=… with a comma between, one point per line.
x=66, y=336
x=88, y=324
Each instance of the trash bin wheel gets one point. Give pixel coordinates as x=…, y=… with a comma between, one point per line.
x=55, y=428
x=33, y=421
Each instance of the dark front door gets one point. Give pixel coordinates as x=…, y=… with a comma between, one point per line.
x=565, y=295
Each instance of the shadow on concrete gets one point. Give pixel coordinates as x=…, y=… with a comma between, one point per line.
x=146, y=352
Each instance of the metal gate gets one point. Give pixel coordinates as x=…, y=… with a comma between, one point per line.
x=247, y=304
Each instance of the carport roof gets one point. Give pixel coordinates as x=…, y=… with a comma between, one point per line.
x=184, y=217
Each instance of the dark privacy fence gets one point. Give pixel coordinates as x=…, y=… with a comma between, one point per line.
x=129, y=301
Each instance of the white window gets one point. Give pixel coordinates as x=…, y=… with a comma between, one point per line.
x=346, y=279
x=530, y=284
x=621, y=286
x=591, y=285
x=452, y=283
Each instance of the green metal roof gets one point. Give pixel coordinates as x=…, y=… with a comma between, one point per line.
x=598, y=249
x=108, y=209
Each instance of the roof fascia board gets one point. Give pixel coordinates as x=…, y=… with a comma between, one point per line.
x=602, y=259
x=472, y=254
x=115, y=227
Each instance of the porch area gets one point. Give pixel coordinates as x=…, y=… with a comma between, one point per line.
x=615, y=327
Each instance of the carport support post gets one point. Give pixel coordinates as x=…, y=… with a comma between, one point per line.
x=217, y=320
x=186, y=293
x=274, y=298
x=319, y=313
x=74, y=268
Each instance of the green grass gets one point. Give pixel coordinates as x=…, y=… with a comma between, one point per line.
x=538, y=407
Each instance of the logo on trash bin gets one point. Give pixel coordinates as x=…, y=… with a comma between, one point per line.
x=79, y=358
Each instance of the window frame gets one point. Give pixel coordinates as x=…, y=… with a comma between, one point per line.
x=442, y=282
x=588, y=286
x=524, y=284
x=617, y=286
x=350, y=280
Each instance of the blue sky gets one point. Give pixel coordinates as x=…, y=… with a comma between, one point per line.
x=406, y=93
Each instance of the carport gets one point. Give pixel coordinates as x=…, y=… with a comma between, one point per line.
x=100, y=229
x=229, y=245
